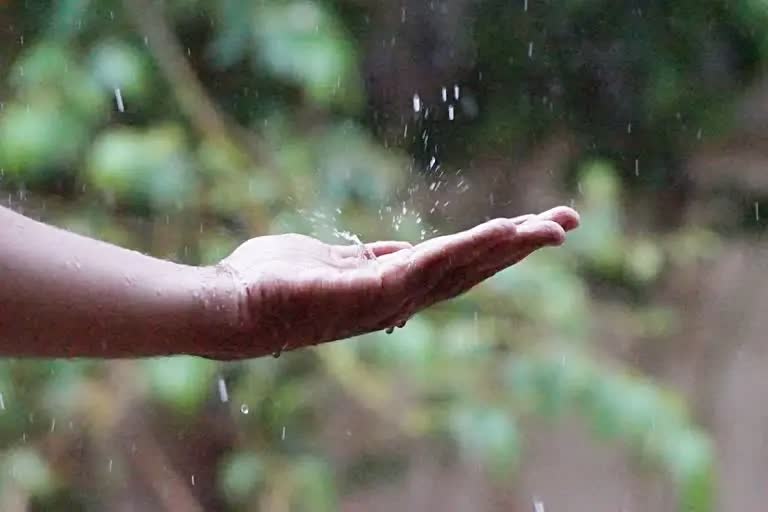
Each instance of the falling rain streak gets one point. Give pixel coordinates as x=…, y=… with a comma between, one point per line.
x=416, y=103
x=119, y=100
x=223, y=394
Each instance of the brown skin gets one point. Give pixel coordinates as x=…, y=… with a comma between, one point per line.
x=64, y=295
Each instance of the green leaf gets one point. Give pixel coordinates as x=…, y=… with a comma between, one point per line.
x=29, y=470
x=115, y=64
x=300, y=41
x=488, y=434
x=37, y=139
x=316, y=486
x=145, y=167
x=240, y=474
x=183, y=383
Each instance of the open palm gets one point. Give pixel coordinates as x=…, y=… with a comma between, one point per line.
x=299, y=291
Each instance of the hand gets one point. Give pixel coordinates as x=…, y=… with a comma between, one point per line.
x=298, y=291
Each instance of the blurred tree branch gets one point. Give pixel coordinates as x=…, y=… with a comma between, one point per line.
x=195, y=103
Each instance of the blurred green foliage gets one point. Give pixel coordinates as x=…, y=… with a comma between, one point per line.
x=96, y=123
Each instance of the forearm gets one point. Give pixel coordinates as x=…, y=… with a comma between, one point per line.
x=64, y=295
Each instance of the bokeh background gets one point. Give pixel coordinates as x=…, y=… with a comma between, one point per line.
x=623, y=372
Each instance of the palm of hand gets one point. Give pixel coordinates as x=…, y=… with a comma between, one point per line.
x=300, y=291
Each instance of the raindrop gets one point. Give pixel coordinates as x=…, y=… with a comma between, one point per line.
x=119, y=100
x=629, y=128
x=193, y=480
x=757, y=210
x=416, y=103
x=538, y=506
x=450, y=112
x=530, y=50
x=53, y=424
x=223, y=394
x=637, y=167
x=444, y=93
x=525, y=5
x=282, y=434
x=244, y=409
x=2, y=402
x=109, y=466
x=455, y=92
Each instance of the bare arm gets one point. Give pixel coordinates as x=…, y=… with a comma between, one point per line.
x=64, y=295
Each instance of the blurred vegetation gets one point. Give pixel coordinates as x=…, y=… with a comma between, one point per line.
x=182, y=128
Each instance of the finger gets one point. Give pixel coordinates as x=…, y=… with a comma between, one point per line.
x=387, y=247
x=530, y=238
x=460, y=248
x=540, y=232
x=523, y=218
x=376, y=248
x=568, y=218
x=430, y=260
x=465, y=279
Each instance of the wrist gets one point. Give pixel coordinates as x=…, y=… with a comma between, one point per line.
x=224, y=320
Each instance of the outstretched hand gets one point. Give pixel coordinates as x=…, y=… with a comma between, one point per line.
x=296, y=291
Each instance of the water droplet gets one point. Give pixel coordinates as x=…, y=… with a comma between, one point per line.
x=757, y=210
x=538, y=506
x=530, y=50
x=282, y=434
x=119, y=100
x=456, y=92
x=2, y=402
x=637, y=167
x=450, y=112
x=416, y=103
x=244, y=409
x=525, y=5
x=53, y=424
x=444, y=93
x=109, y=466
x=192, y=478
x=390, y=330
x=223, y=394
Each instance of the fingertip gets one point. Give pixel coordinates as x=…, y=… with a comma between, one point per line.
x=544, y=232
x=566, y=217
